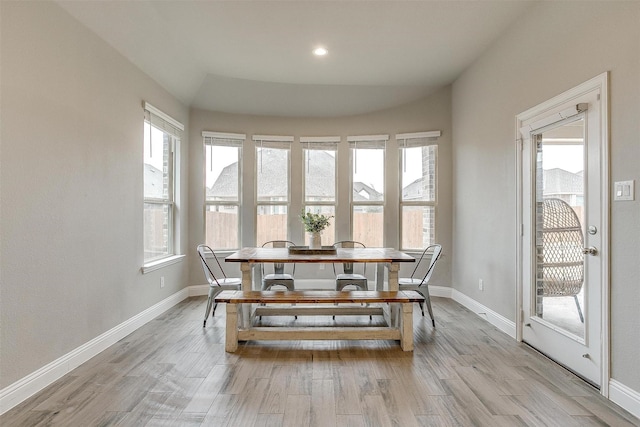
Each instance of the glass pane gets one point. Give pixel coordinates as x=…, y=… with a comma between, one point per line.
x=329, y=233
x=157, y=218
x=367, y=225
x=419, y=173
x=221, y=173
x=560, y=187
x=157, y=183
x=418, y=226
x=319, y=175
x=368, y=174
x=271, y=224
x=221, y=227
x=272, y=171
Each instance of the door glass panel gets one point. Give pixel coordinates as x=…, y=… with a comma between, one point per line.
x=560, y=170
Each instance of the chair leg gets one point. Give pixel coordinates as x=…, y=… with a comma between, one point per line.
x=575, y=297
x=427, y=302
x=209, y=304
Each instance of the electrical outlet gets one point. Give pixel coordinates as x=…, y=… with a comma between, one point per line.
x=481, y=285
x=321, y=266
x=162, y=282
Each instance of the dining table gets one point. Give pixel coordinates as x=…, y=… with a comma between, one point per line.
x=395, y=314
x=388, y=258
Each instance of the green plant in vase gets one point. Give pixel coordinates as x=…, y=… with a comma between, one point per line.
x=314, y=224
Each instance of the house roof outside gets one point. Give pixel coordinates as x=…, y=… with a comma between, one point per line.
x=321, y=176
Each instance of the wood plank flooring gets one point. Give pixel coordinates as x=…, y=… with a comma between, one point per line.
x=173, y=372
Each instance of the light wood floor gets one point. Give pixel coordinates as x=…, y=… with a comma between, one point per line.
x=463, y=373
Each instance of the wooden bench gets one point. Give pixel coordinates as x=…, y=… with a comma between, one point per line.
x=240, y=317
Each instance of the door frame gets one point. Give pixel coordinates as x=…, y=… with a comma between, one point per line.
x=601, y=83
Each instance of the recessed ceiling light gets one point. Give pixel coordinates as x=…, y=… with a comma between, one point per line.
x=320, y=51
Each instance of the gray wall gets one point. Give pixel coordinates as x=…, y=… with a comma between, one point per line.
x=71, y=192
x=555, y=47
x=431, y=113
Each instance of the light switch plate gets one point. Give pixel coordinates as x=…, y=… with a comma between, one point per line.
x=623, y=190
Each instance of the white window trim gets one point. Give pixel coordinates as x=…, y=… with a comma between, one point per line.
x=153, y=114
x=279, y=142
x=167, y=118
x=161, y=263
x=430, y=139
x=223, y=135
x=240, y=138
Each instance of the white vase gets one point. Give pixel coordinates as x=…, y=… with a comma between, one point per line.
x=315, y=240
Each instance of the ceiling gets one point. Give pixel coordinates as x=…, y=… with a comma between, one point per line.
x=255, y=57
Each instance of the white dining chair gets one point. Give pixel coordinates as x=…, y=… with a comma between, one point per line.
x=420, y=284
x=274, y=274
x=349, y=276
x=216, y=284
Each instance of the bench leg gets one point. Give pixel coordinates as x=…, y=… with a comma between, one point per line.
x=406, y=327
x=231, y=335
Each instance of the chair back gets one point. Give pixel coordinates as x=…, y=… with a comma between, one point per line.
x=278, y=268
x=431, y=254
x=562, y=244
x=347, y=267
x=205, y=252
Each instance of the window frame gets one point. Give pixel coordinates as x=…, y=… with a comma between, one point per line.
x=367, y=142
x=155, y=118
x=274, y=142
x=412, y=140
x=320, y=143
x=239, y=144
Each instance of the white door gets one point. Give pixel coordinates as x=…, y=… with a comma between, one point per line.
x=564, y=205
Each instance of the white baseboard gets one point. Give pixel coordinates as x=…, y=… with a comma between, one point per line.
x=440, y=291
x=198, y=290
x=497, y=320
x=625, y=397
x=36, y=381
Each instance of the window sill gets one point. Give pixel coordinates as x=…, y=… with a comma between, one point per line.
x=156, y=265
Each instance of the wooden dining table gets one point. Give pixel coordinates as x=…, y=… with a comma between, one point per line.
x=383, y=257
x=251, y=304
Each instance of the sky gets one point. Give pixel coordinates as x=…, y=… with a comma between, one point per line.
x=567, y=157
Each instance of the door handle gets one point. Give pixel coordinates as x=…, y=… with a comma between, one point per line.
x=590, y=251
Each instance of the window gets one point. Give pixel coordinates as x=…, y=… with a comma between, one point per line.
x=367, y=195
x=161, y=137
x=320, y=180
x=272, y=180
x=418, y=161
x=223, y=186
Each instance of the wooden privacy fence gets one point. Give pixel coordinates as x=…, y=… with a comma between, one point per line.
x=222, y=229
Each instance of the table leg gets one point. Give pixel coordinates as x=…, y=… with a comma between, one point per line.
x=246, y=268
x=247, y=285
x=406, y=327
x=393, y=268
x=380, y=276
x=231, y=334
x=392, y=285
